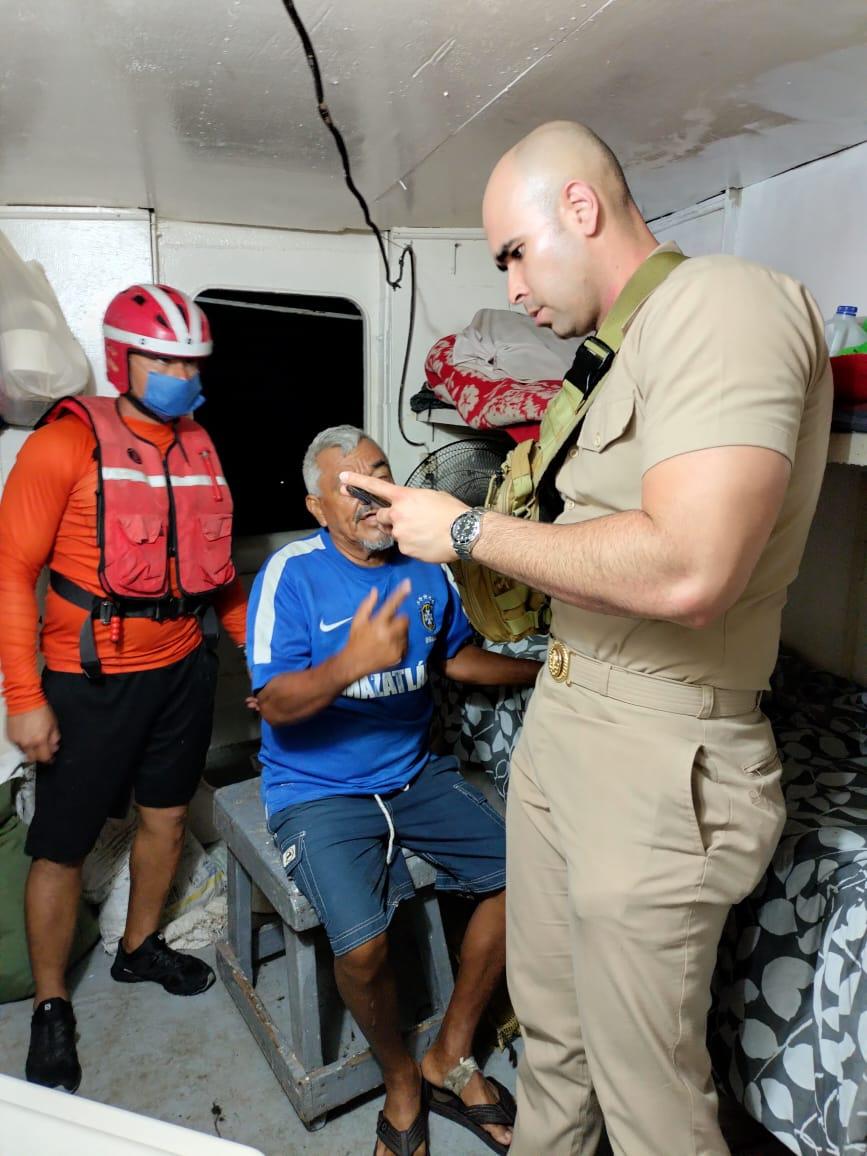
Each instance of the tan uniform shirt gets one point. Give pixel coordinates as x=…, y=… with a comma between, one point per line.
x=723, y=353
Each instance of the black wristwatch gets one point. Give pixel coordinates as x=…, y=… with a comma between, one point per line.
x=465, y=530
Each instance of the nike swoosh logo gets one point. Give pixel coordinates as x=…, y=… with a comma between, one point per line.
x=326, y=627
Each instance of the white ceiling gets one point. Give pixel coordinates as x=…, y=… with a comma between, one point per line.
x=204, y=110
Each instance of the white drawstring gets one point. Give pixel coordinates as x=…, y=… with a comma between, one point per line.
x=389, y=855
x=385, y=811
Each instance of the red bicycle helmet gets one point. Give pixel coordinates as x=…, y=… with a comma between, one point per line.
x=152, y=319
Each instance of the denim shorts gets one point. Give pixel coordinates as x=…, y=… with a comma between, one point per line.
x=344, y=853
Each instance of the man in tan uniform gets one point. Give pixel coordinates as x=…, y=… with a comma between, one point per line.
x=645, y=796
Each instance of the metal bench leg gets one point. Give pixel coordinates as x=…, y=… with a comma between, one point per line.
x=428, y=927
x=305, y=1025
x=240, y=902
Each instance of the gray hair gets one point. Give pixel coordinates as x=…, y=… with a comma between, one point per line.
x=342, y=437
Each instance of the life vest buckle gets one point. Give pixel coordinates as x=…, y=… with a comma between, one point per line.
x=165, y=609
x=107, y=610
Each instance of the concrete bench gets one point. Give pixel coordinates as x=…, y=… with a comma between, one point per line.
x=291, y=1006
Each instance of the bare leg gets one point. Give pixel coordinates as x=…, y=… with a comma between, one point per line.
x=51, y=907
x=483, y=962
x=366, y=984
x=153, y=861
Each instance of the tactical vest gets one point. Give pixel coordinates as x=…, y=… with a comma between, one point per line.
x=504, y=609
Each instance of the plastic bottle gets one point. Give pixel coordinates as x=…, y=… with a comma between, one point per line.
x=842, y=330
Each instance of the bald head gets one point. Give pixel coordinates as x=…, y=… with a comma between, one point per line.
x=539, y=167
x=561, y=221
x=563, y=150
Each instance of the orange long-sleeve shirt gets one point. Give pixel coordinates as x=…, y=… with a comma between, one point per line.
x=48, y=517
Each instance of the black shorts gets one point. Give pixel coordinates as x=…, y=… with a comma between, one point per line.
x=146, y=732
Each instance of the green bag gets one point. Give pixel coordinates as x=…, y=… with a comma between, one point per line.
x=16, y=978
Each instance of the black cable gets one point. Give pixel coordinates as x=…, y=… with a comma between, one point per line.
x=408, y=249
x=325, y=114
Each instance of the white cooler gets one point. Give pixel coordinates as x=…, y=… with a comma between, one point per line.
x=37, y=1121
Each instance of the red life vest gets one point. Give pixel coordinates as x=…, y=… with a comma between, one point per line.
x=151, y=508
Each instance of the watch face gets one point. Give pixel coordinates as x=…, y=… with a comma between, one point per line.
x=464, y=527
x=465, y=530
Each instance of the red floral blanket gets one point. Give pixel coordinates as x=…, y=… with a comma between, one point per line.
x=494, y=402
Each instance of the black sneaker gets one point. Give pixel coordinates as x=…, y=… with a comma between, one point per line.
x=52, y=1059
x=154, y=960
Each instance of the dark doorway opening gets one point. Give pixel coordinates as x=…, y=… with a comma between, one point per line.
x=284, y=367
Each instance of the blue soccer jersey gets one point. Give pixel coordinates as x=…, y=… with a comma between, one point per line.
x=374, y=737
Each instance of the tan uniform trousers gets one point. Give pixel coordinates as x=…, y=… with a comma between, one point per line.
x=632, y=828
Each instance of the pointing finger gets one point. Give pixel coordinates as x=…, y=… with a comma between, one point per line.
x=378, y=487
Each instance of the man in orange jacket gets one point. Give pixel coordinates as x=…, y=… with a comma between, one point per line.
x=124, y=500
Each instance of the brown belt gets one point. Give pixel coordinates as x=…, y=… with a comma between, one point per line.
x=698, y=700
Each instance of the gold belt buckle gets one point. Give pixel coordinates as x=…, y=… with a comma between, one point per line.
x=558, y=662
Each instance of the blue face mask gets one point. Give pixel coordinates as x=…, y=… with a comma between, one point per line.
x=170, y=397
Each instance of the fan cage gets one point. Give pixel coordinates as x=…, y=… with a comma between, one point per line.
x=462, y=468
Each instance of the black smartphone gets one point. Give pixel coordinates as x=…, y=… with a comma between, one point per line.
x=368, y=499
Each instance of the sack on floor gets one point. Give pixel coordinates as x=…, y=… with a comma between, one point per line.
x=109, y=858
x=197, y=882
x=24, y=794
x=200, y=926
x=16, y=978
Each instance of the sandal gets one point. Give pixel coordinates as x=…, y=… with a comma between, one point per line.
x=407, y=1142
x=448, y=1103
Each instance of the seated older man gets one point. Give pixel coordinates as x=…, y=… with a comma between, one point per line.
x=342, y=633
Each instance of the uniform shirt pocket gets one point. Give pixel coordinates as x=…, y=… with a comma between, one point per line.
x=606, y=422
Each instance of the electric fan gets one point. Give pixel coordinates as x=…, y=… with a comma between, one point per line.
x=462, y=468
